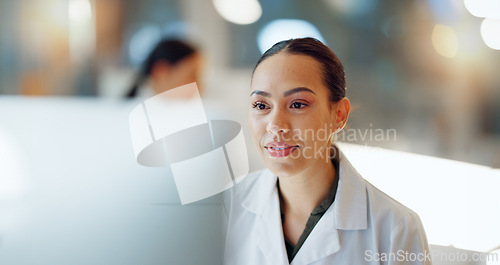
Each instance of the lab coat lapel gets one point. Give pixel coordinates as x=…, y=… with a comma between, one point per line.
x=269, y=236
x=348, y=212
x=350, y=205
x=323, y=241
x=267, y=232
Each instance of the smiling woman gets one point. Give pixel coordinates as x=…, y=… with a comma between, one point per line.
x=310, y=206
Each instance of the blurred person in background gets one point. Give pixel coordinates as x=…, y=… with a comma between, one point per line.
x=172, y=63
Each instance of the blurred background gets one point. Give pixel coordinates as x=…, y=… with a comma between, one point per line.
x=427, y=69
x=422, y=76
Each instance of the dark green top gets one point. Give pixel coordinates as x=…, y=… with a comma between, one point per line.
x=316, y=214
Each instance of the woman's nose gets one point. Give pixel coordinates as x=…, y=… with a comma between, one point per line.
x=277, y=125
x=275, y=129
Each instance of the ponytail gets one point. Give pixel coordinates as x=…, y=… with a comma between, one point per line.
x=171, y=51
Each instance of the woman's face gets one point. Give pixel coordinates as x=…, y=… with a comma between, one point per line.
x=166, y=76
x=291, y=116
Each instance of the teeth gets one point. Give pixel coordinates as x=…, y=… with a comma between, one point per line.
x=277, y=149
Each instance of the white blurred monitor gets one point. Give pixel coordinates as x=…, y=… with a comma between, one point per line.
x=71, y=192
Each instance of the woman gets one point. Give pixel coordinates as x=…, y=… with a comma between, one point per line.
x=170, y=64
x=311, y=206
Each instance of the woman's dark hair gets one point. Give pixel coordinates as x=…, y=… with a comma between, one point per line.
x=333, y=70
x=171, y=51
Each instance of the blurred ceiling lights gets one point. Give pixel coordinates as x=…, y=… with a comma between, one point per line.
x=79, y=11
x=393, y=27
x=81, y=30
x=446, y=11
x=490, y=31
x=283, y=29
x=241, y=12
x=445, y=41
x=352, y=8
x=490, y=27
x=483, y=8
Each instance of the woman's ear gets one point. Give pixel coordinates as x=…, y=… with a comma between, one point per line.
x=341, y=113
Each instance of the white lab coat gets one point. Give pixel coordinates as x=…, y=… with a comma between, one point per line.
x=362, y=226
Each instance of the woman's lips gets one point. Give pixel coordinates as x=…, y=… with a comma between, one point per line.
x=280, y=149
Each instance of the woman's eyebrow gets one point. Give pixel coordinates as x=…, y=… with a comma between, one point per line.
x=296, y=90
x=262, y=93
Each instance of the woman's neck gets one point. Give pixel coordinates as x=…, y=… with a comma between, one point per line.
x=303, y=192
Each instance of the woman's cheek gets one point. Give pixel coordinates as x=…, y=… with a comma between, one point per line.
x=255, y=127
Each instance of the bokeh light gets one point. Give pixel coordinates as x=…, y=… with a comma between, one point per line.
x=445, y=41
x=81, y=30
x=352, y=8
x=393, y=27
x=283, y=29
x=490, y=31
x=79, y=11
x=445, y=11
x=239, y=11
x=483, y=8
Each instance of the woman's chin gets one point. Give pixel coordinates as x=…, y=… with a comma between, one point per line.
x=283, y=167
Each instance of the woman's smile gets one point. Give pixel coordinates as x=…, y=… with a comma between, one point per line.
x=280, y=149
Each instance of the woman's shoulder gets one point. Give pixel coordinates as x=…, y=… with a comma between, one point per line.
x=380, y=207
x=383, y=208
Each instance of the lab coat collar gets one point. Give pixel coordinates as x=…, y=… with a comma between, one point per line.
x=262, y=193
x=267, y=233
x=350, y=205
x=348, y=212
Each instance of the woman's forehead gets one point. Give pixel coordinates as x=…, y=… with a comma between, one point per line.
x=285, y=71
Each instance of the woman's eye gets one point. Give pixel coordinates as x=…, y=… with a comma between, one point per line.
x=260, y=106
x=298, y=105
